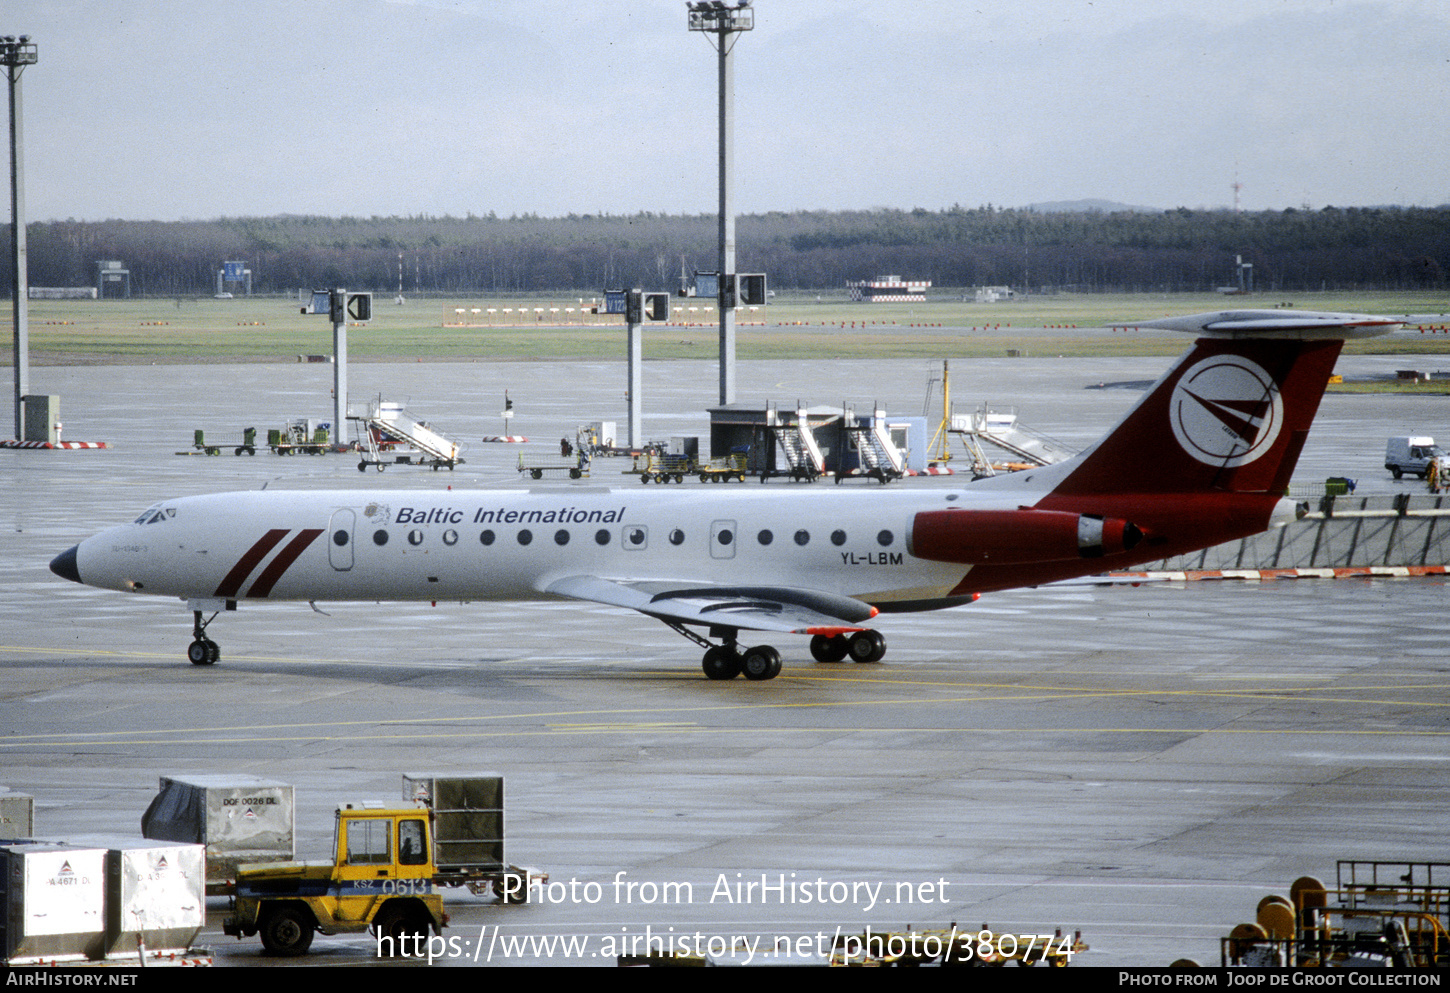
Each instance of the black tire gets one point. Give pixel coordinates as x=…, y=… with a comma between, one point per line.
x=867, y=646
x=286, y=931
x=828, y=649
x=721, y=663
x=202, y=652
x=760, y=663
x=1396, y=471
x=408, y=929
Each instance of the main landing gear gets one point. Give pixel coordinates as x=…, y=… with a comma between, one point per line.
x=202, y=650
x=728, y=660
x=861, y=646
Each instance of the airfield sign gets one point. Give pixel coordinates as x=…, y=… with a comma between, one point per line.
x=360, y=306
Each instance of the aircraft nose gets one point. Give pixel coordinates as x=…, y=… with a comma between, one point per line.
x=64, y=565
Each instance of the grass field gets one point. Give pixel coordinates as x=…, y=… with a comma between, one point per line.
x=271, y=329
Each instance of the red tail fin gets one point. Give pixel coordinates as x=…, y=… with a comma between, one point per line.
x=1207, y=453
x=1231, y=416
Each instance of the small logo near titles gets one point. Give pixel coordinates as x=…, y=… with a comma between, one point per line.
x=1226, y=411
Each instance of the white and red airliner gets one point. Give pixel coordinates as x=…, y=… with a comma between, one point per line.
x=1204, y=457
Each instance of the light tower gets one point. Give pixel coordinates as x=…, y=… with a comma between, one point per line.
x=15, y=55
x=722, y=24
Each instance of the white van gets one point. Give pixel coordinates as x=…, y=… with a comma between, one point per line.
x=1410, y=454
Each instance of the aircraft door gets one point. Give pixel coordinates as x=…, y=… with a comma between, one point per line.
x=341, y=533
x=722, y=539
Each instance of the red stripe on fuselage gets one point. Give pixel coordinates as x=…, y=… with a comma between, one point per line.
x=248, y=562
x=282, y=562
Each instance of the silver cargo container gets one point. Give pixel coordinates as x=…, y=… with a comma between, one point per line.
x=467, y=819
x=240, y=820
x=54, y=903
x=155, y=897
x=17, y=816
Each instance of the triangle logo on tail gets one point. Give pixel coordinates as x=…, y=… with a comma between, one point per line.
x=1226, y=411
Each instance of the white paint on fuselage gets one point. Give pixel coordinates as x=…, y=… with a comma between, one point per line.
x=469, y=545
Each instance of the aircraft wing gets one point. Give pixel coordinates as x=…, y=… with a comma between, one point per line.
x=755, y=608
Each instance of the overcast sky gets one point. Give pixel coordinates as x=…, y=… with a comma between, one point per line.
x=168, y=109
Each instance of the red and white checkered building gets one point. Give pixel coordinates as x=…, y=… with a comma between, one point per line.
x=888, y=289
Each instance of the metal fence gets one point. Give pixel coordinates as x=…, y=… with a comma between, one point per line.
x=1338, y=532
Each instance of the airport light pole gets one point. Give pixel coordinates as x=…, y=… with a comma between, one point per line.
x=338, y=312
x=633, y=319
x=722, y=24
x=15, y=55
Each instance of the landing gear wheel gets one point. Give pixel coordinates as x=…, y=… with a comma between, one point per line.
x=721, y=663
x=828, y=649
x=202, y=650
x=867, y=646
x=761, y=662
x=287, y=932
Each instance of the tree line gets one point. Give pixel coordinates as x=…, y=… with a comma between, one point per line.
x=1353, y=248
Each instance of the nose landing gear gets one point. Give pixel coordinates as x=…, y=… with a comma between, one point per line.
x=202, y=650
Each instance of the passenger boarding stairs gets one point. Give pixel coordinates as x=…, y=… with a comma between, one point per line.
x=798, y=444
x=385, y=423
x=879, y=457
x=1000, y=429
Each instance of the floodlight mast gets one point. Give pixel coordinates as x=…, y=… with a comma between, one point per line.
x=722, y=24
x=15, y=55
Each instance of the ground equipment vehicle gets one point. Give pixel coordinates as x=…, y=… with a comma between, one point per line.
x=1411, y=455
x=388, y=871
x=381, y=876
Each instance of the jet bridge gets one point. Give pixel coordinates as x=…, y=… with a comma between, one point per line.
x=386, y=426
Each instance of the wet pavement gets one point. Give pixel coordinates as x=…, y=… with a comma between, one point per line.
x=1142, y=763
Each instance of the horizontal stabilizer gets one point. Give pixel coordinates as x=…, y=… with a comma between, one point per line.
x=1301, y=324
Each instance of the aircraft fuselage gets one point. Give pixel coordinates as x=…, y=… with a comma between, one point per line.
x=512, y=544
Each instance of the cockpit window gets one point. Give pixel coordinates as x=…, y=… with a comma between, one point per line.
x=156, y=514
